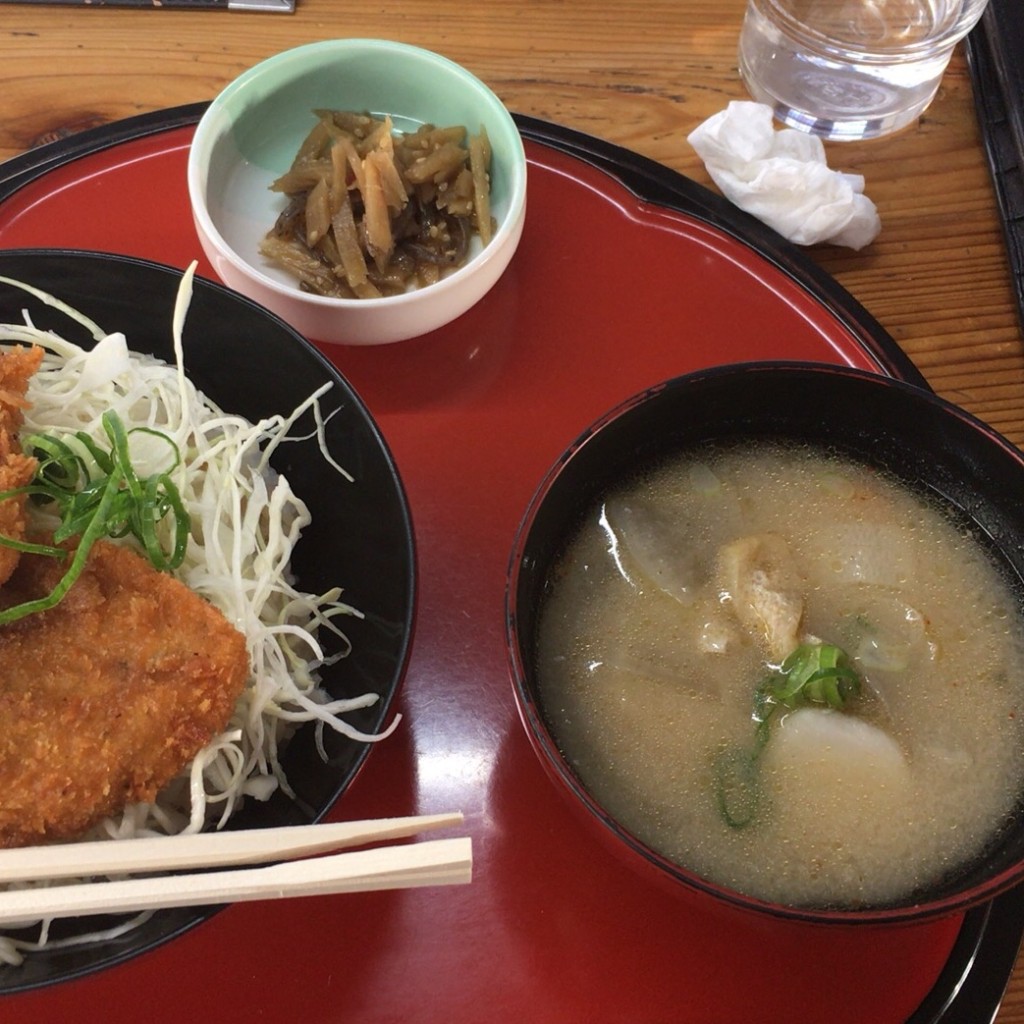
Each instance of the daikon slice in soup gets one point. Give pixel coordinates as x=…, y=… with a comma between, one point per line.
x=789, y=673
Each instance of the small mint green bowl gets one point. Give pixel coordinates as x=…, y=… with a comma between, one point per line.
x=250, y=133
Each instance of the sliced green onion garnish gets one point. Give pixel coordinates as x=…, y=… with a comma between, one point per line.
x=107, y=501
x=814, y=674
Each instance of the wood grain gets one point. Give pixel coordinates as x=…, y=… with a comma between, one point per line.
x=640, y=73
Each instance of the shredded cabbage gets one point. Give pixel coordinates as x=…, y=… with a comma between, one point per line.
x=245, y=523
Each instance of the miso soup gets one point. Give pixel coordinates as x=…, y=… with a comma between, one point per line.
x=789, y=673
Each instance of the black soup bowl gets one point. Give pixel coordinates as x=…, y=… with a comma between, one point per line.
x=931, y=445
x=251, y=363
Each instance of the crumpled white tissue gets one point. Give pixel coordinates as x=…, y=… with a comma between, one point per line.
x=783, y=178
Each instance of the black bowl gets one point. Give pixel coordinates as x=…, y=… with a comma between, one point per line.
x=930, y=444
x=250, y=362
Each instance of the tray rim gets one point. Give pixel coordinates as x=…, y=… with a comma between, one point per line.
x=990, y=936
x=648, y=180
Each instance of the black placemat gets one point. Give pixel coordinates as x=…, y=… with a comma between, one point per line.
x=995, y=54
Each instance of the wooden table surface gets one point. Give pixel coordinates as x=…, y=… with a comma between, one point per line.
x=640, y=73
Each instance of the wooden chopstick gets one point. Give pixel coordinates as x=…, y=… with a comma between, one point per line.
x=436, y=862
x=207, y=849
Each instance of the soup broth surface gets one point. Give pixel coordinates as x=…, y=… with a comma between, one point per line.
x=683, y=591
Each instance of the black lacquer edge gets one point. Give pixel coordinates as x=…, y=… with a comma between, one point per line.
x=971, y=985
x=20, y=170
x=1000, y=111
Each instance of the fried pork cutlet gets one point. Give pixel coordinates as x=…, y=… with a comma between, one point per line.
x=16, y=469
x=104, y=698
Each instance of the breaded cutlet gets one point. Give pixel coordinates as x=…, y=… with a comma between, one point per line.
x=16, y=469
x=107, y=696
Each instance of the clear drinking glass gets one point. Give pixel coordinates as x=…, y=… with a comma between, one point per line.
x=850, y=69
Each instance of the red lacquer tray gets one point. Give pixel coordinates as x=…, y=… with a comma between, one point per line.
x=627, y=274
